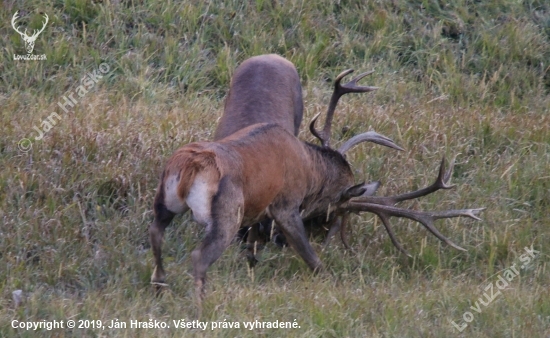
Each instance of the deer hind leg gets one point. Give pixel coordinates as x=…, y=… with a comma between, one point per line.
x=163, y=217
x=226, y=216
x=166, y=205
x=294, y=231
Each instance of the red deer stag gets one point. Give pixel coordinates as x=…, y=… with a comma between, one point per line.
x=267, y=89
x=261, y=171
x=264, y=89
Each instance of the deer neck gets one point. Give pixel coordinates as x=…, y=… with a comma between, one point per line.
x=329, y=175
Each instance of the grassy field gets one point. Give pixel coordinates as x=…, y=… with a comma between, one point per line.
x=470, y=78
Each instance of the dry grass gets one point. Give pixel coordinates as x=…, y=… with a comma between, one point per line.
x=470, y=78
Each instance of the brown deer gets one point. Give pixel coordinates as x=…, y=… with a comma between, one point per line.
x=267, y=89
x=265, y=171
x=263, y=89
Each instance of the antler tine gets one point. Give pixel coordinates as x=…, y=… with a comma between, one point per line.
x=343, y=232
x=338, y=224
x=313, y=130
x=471, y=213
x=423, y=217
x=43, y=26
x=352, y=87
x=441, y=182
x=384, y=207
x=341, y=76
x=13, y=20
x=339, y=90
x=369, y=136
x=447, y=176
x=390, y=232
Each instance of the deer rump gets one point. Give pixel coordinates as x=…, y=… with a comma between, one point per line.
x=199, y=174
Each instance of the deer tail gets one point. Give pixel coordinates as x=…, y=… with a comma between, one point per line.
x=197, y=162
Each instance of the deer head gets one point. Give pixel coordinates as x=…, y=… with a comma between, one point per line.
x=384, y=207
x=29, y=40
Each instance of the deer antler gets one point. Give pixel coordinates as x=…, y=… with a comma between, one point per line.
x=339, y=90
x=37, y=32
x=43, y=26
x=369, y=136
x=441, y=182
x=384, y=208
x=29, y=40
x=13, y=19
x=338, y=223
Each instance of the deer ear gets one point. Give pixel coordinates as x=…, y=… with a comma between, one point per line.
x=353, y=191
x=362, y=189
x=371, y=188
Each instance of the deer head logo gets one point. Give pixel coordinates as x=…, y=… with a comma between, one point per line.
x=29, y=40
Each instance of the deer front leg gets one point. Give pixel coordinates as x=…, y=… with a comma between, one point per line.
x=293, y=228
